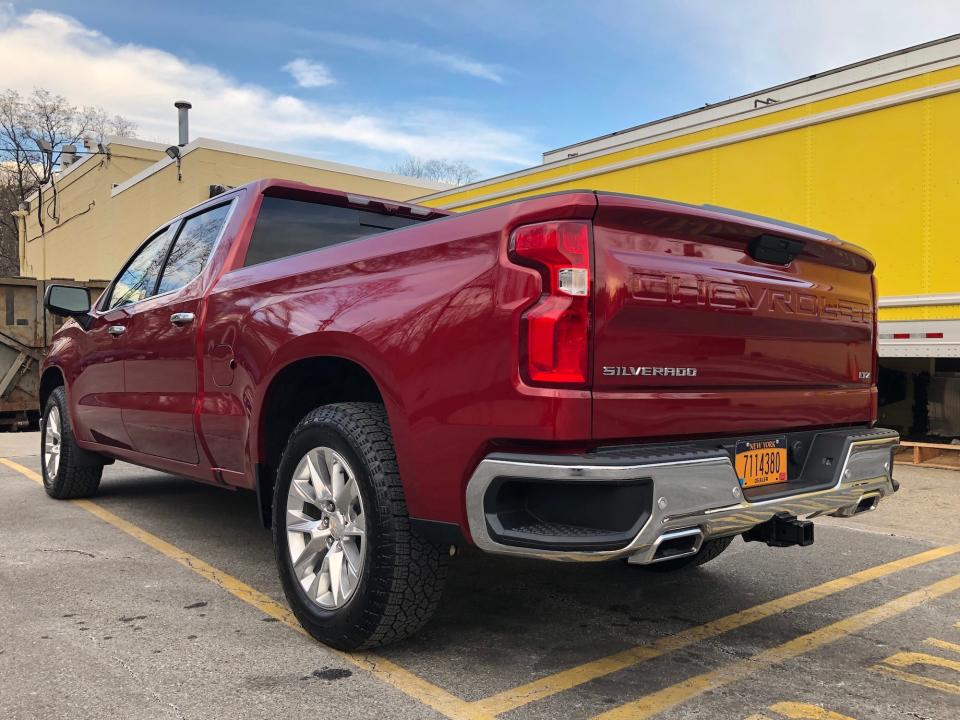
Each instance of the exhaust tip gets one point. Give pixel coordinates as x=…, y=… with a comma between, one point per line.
x=867, y=503
x=677, y=544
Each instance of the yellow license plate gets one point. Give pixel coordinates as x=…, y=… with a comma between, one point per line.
x=761, y=462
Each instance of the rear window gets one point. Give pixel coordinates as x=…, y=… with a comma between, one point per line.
x=288, y=227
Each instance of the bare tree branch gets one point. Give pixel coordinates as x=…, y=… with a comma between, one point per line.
x=25, y=122
x=454, y=172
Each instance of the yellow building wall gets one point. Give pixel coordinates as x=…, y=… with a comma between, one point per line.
x=93, y=241
x=887, y=179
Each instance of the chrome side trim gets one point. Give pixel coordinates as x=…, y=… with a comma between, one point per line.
x=699, y=493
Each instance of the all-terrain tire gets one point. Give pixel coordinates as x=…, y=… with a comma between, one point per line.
x=70, y=478
x=708, y=551
x=403, y=574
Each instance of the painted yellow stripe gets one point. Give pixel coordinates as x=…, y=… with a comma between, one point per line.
x=943, y=644
x=926, y=682
x=805, y=711
x=669, y=697
x=566, y=679
x=385, y=670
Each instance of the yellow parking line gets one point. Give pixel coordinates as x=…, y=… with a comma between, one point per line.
x=943, y=644
x=926, y=682
x=387, y=671
x=805, y=711
x=566, y=679
x=669, y=697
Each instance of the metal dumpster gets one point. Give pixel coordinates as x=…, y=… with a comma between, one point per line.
x=25, y=332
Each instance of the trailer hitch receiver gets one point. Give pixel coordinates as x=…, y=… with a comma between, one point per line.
x=782, y=531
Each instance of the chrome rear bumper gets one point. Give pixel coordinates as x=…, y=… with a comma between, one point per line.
x=696, y=496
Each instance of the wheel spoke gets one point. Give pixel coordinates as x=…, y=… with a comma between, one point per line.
x=303, y=490
x=319, y=475
x=307, y=526
x=355, y=528
x=344, y=498
x=336, y=567
x=352, y=554
x=304, y=562
x=296, y=516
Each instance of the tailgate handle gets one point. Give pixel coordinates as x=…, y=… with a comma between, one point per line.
x=775, y=250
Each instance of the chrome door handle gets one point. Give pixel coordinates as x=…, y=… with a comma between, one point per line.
x=116, y=330
x=181, y=318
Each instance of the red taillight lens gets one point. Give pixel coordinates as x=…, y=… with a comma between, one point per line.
x=556, y=331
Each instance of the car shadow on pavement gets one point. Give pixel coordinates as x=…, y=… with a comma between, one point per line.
x=496, y=610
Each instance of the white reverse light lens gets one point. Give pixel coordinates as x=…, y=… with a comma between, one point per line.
x=572, y=281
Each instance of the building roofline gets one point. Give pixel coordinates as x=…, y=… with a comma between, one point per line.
x=704, y=123
x=108, y=142
x=722, y=141
x=763, y=91
x=203, y=143
x=134, y=142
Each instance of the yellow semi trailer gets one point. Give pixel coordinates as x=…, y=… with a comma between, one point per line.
x=869, y=152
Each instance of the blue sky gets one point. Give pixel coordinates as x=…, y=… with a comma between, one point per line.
x=491, y=82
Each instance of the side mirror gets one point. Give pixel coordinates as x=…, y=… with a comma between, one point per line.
x=67, y=300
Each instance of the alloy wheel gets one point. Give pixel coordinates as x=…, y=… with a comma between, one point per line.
x=326, y=528
x=51, y=442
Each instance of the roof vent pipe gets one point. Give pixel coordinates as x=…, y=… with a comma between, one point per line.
x=183, y=108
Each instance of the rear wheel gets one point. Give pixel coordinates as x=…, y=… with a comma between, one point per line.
x=64, y=475
x=353, y=571
x=708, y=551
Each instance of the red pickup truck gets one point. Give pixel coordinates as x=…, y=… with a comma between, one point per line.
x=577, y=376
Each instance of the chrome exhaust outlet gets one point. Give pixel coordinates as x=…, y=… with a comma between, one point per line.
x=672, y=545
x=866, y=503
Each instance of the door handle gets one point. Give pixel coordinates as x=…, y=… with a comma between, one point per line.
x=116, y=330
x=183, y=318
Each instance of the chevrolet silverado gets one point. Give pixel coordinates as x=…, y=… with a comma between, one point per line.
x=578, y=376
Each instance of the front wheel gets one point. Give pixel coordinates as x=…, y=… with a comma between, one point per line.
x=354, y=572
x=64, y=475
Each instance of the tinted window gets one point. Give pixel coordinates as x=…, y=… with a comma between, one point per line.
x=138, y=279
x=192, y=248
x=288, y=227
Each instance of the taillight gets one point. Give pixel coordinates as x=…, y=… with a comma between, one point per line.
x=556, y=331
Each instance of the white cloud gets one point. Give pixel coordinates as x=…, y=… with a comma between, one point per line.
x=419, y=54
x=309, y=74
x=757, y=43
x=42, y=49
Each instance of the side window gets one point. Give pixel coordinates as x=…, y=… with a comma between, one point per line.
x=288, y=227
x=192, y=248
x=139, y=277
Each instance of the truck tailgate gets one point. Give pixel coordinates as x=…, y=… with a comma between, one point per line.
x=693, y=335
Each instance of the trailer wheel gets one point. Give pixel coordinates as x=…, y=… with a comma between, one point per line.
x=64, y=477
x=353, y=570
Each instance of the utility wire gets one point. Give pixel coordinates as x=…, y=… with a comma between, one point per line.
x=79, y=152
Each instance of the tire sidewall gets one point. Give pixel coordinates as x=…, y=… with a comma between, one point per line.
x=341, y=621
x=55, y=400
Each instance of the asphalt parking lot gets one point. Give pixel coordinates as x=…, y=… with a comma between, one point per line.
x=159, y=599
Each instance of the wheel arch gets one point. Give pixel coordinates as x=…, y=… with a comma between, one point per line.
x=292, y=392
x=51, y=379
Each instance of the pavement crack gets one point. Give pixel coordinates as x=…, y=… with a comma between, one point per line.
x=155, y=695
x=68, y=550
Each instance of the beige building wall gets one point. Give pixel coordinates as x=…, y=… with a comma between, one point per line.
x=64, y=247
x=107, y=209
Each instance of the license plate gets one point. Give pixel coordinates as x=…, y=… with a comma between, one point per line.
x=761, y=462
